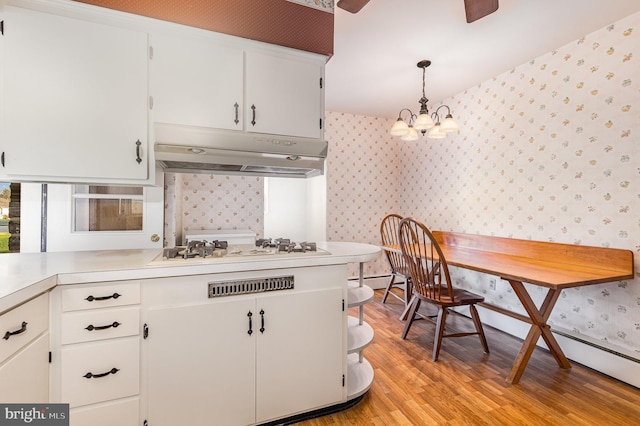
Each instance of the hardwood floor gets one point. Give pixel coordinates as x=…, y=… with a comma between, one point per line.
x=467, y=387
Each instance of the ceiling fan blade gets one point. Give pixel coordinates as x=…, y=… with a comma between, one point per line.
x=477, y=9
x=353, y=6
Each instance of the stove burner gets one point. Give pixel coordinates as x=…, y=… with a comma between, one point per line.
x=284, y=245
x=296, y=247
x=197, y=249
x=269, y=242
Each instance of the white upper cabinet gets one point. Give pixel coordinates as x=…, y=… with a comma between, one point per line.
x=199, y=80
x=196, y=82
x=284, y=95
x=75, y=100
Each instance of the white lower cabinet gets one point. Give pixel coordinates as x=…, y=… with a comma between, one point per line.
x=192, y=374
x=25, y=377
x=244, y=359
x=95, y=345
x=24, y=353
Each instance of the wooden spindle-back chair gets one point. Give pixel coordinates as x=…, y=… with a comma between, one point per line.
x=431, y=283
x=389, y=235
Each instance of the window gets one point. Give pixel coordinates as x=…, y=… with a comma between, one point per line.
x=9, y=217
x=103, y=217
x=107, y=208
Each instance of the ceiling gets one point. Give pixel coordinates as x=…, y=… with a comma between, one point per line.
x=373, y=70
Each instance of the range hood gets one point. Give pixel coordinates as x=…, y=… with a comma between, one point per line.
x=190, y=149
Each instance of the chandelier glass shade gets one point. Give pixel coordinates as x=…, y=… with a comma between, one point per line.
x=408, y=131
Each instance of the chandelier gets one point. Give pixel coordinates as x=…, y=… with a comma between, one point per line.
x=408, y=131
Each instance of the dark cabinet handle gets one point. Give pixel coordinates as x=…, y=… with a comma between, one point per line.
x=13, y=333
x=250, y=324
x=2, y=159
x=236, y=106
x=253, y=119
x=138, y=159
x=261, y=320
x=102, y=327
x=113, y=296
x=97, y=376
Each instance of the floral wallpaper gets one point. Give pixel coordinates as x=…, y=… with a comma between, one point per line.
x=363, y=181
x=549, y=151
x=202, y=201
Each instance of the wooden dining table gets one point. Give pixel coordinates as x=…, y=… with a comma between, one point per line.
x=554, y=266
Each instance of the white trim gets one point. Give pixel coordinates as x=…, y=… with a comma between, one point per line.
x=30, y=219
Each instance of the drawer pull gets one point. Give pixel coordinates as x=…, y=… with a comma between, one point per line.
x=92, y=327
x=113, y=296
x=13, y=333
x=97, y=376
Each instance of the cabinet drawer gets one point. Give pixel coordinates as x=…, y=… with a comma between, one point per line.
x=113, y=365
x=100, y=296
x=99, y=324
x=35, y=317
x=122, y=413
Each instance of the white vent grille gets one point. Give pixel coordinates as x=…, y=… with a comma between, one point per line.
x=232, y=288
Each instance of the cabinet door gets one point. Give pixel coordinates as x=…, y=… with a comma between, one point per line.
x=283, y=96
x=300, y=352
x=75, y=103
x=201, y=364
x=196, y=82
x=25, y=377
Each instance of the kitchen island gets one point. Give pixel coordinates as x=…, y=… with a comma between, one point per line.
x=133, y=337
x=26, y=275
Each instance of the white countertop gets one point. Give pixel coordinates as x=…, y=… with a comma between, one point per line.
x=26, y=275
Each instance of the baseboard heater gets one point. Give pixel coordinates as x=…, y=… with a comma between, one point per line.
x=595, y=345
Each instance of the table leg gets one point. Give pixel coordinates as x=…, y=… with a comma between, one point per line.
x=538, y=328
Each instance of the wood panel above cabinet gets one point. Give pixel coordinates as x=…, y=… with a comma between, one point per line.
x=277, y=22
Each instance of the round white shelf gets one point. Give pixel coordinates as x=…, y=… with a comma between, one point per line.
x=360, y=376
x=358, y=296
x=359, y=336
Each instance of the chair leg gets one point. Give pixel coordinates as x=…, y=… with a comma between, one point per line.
x=437, y=341
x=408, y=290
x=415, y=304
x=388, y=289
x=479, y=329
